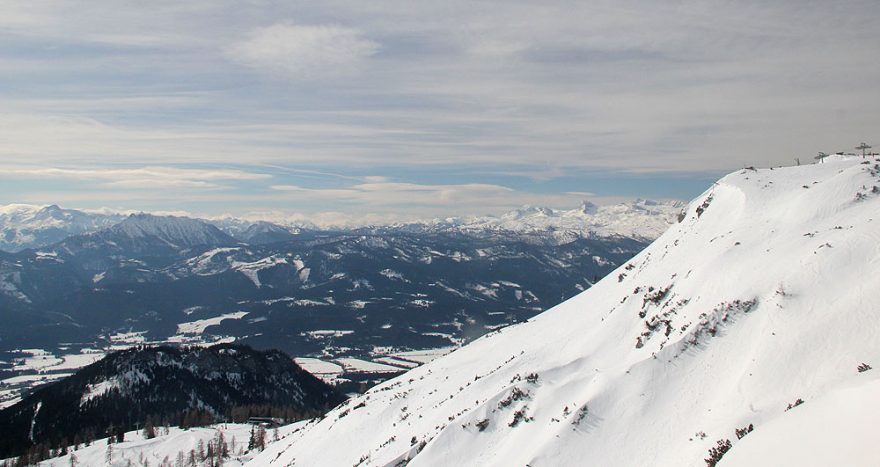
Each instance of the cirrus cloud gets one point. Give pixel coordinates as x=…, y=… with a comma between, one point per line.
x=138, y=178
x=303, y=51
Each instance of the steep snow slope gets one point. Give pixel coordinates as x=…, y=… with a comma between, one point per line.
x=763, y=294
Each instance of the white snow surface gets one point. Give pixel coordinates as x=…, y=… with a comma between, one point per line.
x=835, y=429
x=356, y=365
x=766, y=297
x=199, y=326
x=136, y=450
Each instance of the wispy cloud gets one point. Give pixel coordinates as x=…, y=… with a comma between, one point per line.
x=303, y=51
x=149, y=178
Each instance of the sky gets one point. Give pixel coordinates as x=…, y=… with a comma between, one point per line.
x=396, y=110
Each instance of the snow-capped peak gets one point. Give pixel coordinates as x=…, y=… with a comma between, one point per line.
x=29, y=226
x=641, y=219
x=177, y=231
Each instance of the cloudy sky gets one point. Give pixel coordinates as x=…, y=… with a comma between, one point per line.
x=397, y=109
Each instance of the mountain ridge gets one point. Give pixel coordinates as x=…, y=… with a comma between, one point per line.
x=36, y=226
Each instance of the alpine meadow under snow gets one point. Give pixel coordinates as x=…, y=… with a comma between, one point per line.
x=760, y=297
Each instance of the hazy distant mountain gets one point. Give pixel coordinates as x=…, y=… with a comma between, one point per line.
x=140, y=235
x=28, y=226
x=262, y=232
x=641, y=219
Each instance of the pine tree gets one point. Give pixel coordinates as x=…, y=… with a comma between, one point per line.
x=149, y=430
x=209, y=454
x=222, y=448
x=261, y=438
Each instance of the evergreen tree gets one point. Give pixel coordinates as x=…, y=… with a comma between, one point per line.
x=261, y=438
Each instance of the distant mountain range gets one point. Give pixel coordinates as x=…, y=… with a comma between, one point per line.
x=29, y=226
x=360, y=293
x=426, y=289
x=641, y=219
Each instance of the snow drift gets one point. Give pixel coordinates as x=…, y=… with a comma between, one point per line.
x=763, y=294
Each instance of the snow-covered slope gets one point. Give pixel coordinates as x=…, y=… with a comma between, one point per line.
x=168, y=448
x=179, y=232
x=763, y=294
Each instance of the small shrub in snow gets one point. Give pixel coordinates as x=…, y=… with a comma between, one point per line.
x=717, y=452
x=515, y=395
x=863, y=367
x=741, y=432
x=702, y=208
x=580, y=416
x=483, y=424
x=519, y=416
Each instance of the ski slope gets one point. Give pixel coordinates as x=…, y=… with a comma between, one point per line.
x=763, y=294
